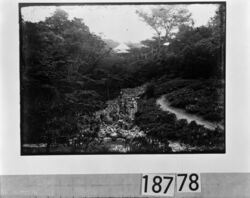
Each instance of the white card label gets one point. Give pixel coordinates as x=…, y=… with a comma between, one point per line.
x=158, y=184
x=188, y=182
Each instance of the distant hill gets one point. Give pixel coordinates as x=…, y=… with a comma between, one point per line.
x=111, y=43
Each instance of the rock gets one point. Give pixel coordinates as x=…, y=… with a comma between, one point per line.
x=107, y=139
x=107, y=131
x=101, y=135
x=124, y=133
x=129, y=137
x=113, y=135
x=120, y=140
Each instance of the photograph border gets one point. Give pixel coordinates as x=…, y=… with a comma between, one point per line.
x=25, y=4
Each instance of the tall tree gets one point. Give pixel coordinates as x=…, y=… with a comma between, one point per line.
x=165, y=21
x=57, y=53
x=218, y=25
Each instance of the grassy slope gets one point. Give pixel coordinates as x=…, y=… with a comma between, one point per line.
x=201, y=97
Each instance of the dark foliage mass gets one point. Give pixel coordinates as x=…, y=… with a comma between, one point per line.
x=60, y=76
x=164, y=126
x=195, y=96
x=68, y=73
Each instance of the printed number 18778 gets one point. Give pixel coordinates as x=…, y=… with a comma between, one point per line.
x=164, y=184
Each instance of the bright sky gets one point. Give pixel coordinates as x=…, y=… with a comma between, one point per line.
x=116, y=22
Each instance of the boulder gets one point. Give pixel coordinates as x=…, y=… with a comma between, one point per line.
x=114, y=135
x=120, y=140
x=107, y=139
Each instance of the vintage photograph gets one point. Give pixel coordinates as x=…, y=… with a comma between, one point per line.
x=122, y=78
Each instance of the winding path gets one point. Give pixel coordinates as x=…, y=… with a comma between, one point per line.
x=181, y=114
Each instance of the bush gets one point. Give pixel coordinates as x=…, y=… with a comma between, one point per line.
x=164, y=126
x=150, y=91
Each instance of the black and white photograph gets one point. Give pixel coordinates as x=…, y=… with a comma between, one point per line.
x=122, y=78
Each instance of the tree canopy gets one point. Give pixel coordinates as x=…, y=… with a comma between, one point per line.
x=165, y=21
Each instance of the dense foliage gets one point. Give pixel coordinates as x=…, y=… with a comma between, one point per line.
x=60, y=76
x=165, y=127
x=68, y=73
